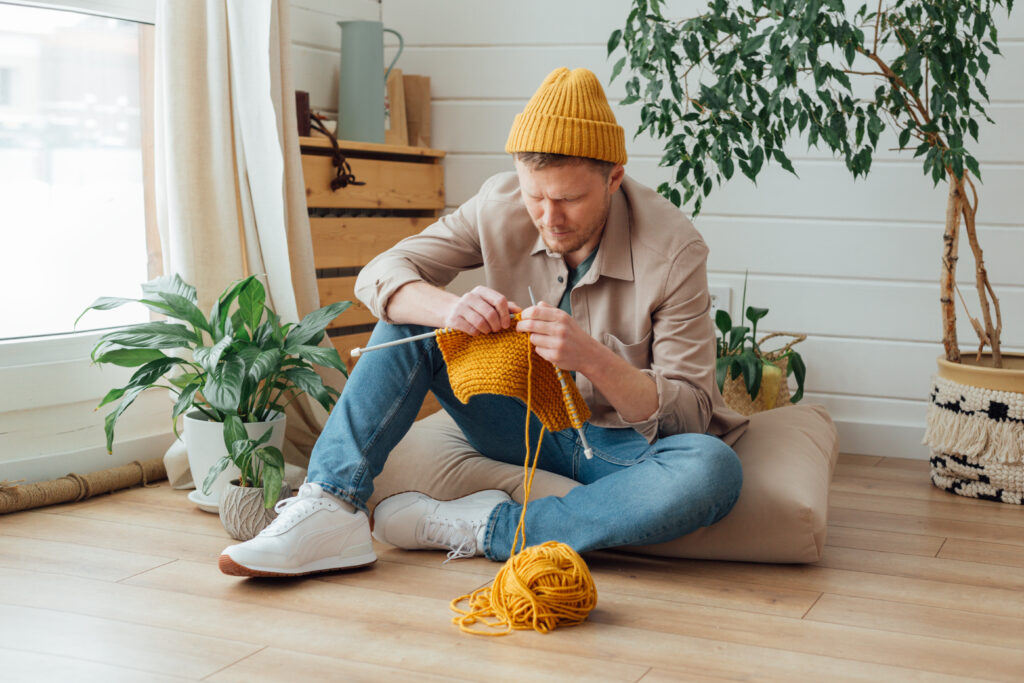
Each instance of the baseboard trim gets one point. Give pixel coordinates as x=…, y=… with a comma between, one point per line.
x=46, y=467
x=889, y=440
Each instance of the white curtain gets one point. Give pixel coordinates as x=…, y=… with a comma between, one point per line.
x=229, y=187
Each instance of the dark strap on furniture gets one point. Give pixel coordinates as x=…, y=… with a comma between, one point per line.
x=344, y=176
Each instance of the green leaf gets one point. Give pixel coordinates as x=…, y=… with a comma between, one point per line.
x=904, y=137
x=155, y=335
x=783, y=160
x=721, y=370
x=223, y=387
x=266, y=363
x=184, y=380
x=234, y=431
x=173, y=285
x=152, y=371
x=209, y=356
x=265, y=437
x=972, y=164
x=312, y=326
x=308, y=381
x=751, y=367
x=972, y=127
x=723, y=321
x=613, y=42
x=182, y=308
x=737, y=336
x=112, y=396
x=130, y=358
x=213, y=473
x=219, y=315
x=184, y=401
x=272, y=477
x=105, y=303
x=252, y=300
x=799, y=370
x=754, y=314
x=271, y=456
x=322, y=356
x=111, y=419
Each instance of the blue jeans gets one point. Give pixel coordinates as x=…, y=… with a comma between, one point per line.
x=633, y=492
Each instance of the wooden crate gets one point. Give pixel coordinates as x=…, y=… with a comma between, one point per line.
x=403, y=193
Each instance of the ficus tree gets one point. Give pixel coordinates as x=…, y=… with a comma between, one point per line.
x=729, y=88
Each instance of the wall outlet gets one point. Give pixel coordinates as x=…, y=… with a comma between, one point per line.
x=721, y=299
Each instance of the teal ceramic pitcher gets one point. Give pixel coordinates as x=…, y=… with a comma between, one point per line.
x=361, y=81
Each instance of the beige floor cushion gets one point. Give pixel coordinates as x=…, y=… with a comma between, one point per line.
x=788, y=456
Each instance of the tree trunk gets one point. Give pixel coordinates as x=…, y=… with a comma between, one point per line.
x=951, y=242
x=991, y=332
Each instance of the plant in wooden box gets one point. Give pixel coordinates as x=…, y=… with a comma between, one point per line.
x=750, y=378
x=728, y=89
x=243, y=369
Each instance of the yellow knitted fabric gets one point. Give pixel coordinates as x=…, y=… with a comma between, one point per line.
x=569, y=114
x=497, y=363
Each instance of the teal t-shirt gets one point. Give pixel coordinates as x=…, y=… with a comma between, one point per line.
x=575, y=275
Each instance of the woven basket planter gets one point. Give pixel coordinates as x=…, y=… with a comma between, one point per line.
x=976, y=429
x=734, y=391
x=736, y=397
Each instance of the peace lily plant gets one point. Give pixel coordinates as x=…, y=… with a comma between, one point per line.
x=237, y=365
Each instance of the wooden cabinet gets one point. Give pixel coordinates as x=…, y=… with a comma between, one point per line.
x=403, y=193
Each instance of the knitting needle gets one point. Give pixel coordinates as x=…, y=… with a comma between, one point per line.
x=587, y=450
x=356, y=352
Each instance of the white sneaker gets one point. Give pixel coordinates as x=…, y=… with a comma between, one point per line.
x=415, y=521
x=312, y=533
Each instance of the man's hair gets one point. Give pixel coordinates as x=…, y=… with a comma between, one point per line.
x=539, y=160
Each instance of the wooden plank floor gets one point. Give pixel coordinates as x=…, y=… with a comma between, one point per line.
x=915, y=584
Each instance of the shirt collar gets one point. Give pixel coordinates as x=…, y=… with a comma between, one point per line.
x=614, y=253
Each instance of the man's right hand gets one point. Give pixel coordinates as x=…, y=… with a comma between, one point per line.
x=480, y=311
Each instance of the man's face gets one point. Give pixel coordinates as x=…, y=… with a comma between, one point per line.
x=569, y=205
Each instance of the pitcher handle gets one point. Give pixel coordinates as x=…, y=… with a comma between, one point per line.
x=401, y=46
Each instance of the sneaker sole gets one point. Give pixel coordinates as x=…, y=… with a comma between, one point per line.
x=231, y=568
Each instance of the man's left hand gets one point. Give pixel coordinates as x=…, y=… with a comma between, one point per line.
x=557, y=337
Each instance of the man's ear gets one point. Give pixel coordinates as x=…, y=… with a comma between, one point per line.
x=615, y=178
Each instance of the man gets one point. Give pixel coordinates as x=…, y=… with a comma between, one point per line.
x=620, y=273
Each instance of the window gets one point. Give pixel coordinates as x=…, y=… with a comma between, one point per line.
x=73, y=210
x=5, y=86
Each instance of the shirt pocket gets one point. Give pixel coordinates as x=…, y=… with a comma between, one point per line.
x=637, y=354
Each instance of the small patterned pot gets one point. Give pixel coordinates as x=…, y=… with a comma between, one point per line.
x=242, y=512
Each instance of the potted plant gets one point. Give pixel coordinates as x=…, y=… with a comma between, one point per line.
x=770, y=70
x=239, y=366
x=247, y=503
x=751, y=379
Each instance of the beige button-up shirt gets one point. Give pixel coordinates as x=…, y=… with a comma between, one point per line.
x=645, y=297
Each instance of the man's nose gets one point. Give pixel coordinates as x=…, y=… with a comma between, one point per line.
x=551, y=214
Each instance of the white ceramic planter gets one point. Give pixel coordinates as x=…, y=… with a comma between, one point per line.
x=204, y=441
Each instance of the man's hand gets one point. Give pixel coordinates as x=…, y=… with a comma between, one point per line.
x=561, y=341
x=558, y=338
x=480, y=311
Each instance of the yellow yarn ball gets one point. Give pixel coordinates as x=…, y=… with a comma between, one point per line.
x=542, y=587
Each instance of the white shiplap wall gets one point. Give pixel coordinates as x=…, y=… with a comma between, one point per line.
x=853, y=264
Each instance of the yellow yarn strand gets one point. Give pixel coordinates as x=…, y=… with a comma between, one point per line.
x=541, y=587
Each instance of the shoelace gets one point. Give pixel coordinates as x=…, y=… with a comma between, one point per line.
x=458, y=535
x=289, y=511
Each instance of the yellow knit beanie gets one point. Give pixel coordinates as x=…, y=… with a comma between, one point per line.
x=569, y=114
